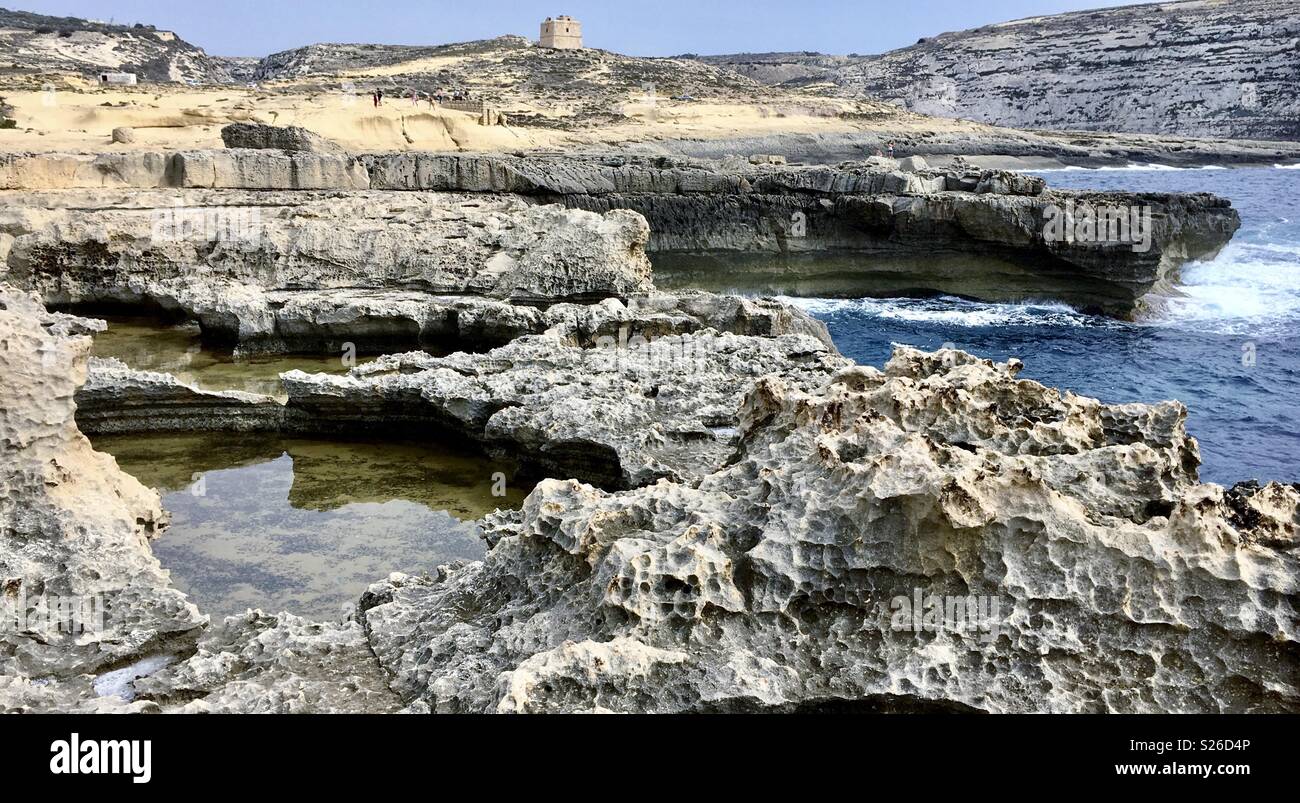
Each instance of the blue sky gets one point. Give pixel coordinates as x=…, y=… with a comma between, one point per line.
x=650, y=28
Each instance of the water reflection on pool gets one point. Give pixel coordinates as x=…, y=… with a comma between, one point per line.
x=148, y=344
x=305, y=525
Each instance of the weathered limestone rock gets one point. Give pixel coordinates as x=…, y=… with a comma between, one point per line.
x=649, y=396
x=55, y=171
x=858, y=228
x=1209, y=69
x=260, y=136
x=977, y=246
x=326, y=321
x=124, y=135
x=247, y=169
x=117, y=399
x=88, y=619
x=1093, y=572
x=937, y=536
x=913, y=164
x=160, y=247
x=282, y=664
x=80, y=591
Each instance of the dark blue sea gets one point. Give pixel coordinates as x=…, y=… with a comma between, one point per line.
x=1243, y=303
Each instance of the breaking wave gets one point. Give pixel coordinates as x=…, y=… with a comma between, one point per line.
x=951, y=311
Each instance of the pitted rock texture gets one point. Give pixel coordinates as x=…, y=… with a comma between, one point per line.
x=275, y=664
x=1208, y=68
x=88, y=618
x=1093, y=572
x=162, y=246
x=80, y=591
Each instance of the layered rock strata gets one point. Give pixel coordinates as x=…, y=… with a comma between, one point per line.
x=866, y=228
x=117, y=399
x=616, y=394
x=619, y=415
x=191, y=251
x=1208, y=69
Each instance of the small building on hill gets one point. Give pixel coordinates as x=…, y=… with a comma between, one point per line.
x=117, y=79
x=562, y=33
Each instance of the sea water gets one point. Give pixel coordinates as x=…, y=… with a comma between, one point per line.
x=1229, y=348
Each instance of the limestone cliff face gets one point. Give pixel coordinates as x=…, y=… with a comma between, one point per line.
x=1197, y=68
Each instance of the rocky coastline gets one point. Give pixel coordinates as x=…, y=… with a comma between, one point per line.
x=877, y=227
x=730, y=515
x=1208, y=69
x=762, y=573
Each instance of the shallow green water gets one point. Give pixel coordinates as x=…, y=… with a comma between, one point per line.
x=150, y=345
x=305, y=525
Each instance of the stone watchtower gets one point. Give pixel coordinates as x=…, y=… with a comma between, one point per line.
x=562, y=33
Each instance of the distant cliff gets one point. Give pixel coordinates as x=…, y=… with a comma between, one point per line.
x=1211, y=68
x=35, y=43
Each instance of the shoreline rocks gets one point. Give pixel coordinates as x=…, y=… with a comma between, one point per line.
x=80, y=591
x=117, y=399
x=861, y=228
x=769, y=568
x=733, y=515
x=1109, y=579
x=619, y=415
x=170, y=249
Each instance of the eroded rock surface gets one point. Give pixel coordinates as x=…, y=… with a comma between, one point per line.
x=285, y=138
x=792, y=564
x=1094, y=572
x=88, y=618
x=275, y=664
x=1209, y=69
x=81, y=592
x=857, y=228
x=168, y=246
x=117, y=399
x=614, y=395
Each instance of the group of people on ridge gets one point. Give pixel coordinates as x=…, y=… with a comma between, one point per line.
x=432, y=98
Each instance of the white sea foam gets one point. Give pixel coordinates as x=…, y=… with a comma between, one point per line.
x=950, y=311
x=1248, y=287
x=1147, y=167
x=1288, y=167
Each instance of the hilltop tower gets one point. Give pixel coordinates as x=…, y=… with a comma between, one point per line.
x=562, y=33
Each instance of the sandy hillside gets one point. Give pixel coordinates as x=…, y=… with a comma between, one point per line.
x=550, y=99
x=80, y=116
